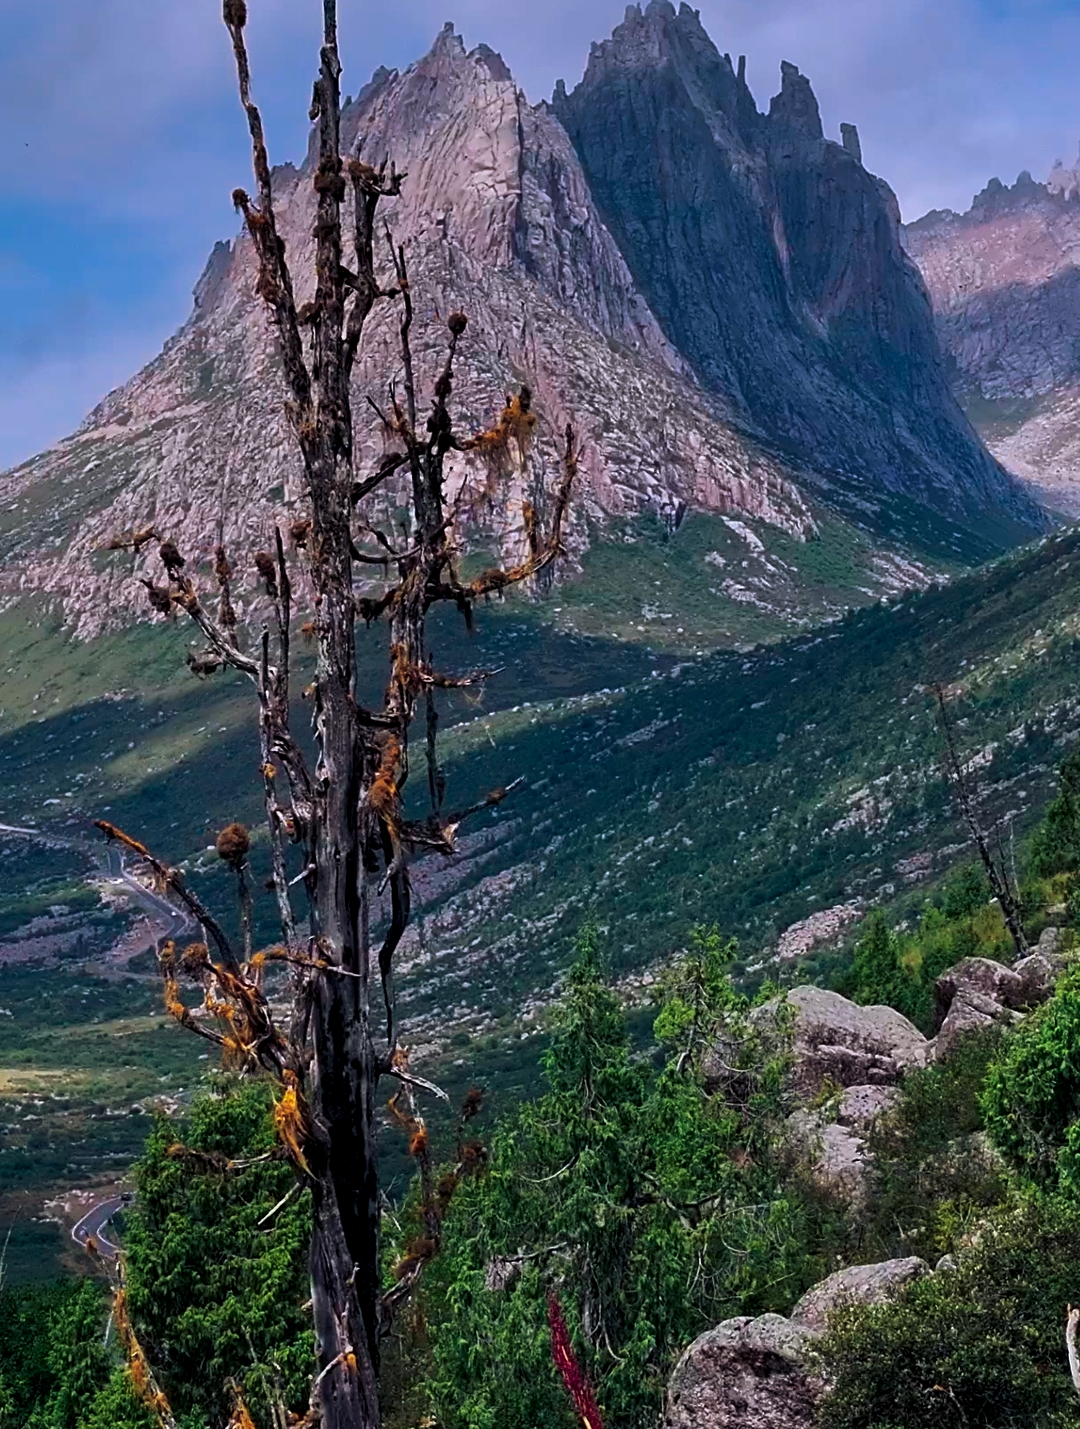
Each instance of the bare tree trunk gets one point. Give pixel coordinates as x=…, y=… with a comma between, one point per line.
x=997, y=876
x=345, y=817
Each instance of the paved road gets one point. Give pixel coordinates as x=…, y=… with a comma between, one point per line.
x=93, y=1224
x=177, y=920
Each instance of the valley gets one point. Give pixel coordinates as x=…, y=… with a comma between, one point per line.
x=719, y=711
x=663, y=788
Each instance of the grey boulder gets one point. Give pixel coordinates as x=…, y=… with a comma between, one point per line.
x=750, y=1373
x=857, y=1285
x=836, y=1040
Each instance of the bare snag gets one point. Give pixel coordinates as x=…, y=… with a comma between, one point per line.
x=336, y=825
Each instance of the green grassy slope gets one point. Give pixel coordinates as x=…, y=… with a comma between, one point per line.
x=744, y=787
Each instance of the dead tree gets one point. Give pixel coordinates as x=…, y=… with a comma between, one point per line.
x=997, y=870
x=344, y=814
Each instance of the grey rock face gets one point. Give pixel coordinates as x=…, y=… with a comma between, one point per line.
x=754, y=1374
x=1040, y=970
x=971, y=1012
x=857, y=1285
x=978, y=976
x=860, y=1107
x=762, y=1374
x=978, y=992
x=835, y=1039
x=497, y=219
x=835, y=1155
x=1006, y=292
x=849, y=137
x=834, y=1145
x=773, y=261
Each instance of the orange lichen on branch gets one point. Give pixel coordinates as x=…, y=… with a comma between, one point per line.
x=383, y=794
x=131, y=540
x=417, y=1254
x=406, y=676
x=233, y=844
x=267, y=569
x=160, y=596
x=514, y=427
x=147, y=1390
x=240, y=1417
x=289, y=1121
x=540, y=552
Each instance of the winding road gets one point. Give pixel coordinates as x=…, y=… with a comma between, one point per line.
x=178, y=922
x=94, y=1222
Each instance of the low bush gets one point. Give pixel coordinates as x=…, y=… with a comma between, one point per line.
x=982, y=1345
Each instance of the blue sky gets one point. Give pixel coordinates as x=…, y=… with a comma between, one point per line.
x=122, y=139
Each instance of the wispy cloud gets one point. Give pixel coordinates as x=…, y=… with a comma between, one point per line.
x=123, y=137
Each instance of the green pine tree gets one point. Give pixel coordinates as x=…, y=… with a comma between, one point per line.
x=77, y=1356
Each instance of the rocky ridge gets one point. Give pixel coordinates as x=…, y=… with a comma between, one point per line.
x=772, y=259
x=504, y=216
x=1005, y=282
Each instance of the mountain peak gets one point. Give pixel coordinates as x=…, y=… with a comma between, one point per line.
x=794, y=111
x=717, y=312
x=448, y=42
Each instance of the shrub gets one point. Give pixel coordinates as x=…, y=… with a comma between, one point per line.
x=981, y=1345
x=215, y=1294
x=654, y=1205
x=1031, y=1102
x=932, y=1175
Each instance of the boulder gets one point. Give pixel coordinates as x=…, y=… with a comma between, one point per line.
x=832, y=1141
x=970, y=1012
x=857, y=1285
x=1040, y=970
x=978, y=992
x=502, y=1272
x=763, y=1373
x=860, y=1107
x=753, y=1374
x=837, y=1040
x=981, y=976
x=835, y=1155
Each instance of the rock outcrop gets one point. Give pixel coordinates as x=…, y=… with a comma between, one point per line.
x=772, y=260
x=1005, y=283
x=857, y=1285
x=832, y=1140
x=497, y=219
x=835, y=1041
x=750, y=1373
x=846, y=1062
x=978, y=993
x=761, y=1373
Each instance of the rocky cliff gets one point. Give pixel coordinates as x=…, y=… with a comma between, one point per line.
x=1005, y=283
x=795, y=362
x=772, y=260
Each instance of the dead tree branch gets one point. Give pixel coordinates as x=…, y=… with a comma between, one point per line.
x=956, y=778
x=345, y=814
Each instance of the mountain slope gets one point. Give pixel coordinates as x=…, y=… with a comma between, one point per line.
x=747, y=789
x=1005, y=282
x=773, y=261
x=498, y=217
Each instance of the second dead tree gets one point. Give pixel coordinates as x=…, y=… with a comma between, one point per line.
x=997, y=871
